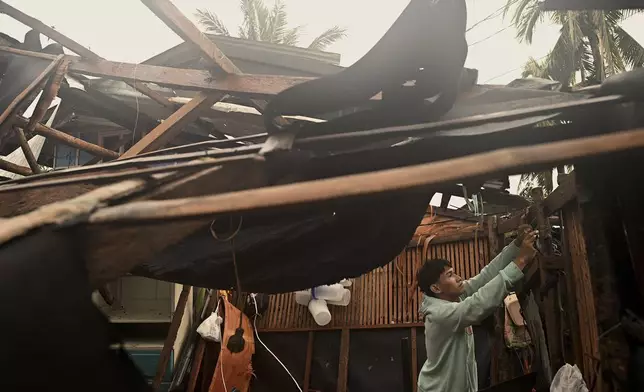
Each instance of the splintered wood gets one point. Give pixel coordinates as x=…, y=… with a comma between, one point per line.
x=380, y=298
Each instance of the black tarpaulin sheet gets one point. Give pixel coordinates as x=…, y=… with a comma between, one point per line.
x=287, y=252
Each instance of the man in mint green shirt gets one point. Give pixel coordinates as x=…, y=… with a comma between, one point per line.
x=451, y=306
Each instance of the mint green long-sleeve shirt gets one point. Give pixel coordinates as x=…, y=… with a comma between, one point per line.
x=449, y=339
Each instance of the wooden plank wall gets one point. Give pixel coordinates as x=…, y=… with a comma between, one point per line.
x=380, y=298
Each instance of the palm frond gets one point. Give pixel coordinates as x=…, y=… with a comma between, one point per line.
x=211, y=23
x=631, y=51
x=525, y=19
x=249, y=29
x=328, y=38
x=278, y=21
x=292, y=36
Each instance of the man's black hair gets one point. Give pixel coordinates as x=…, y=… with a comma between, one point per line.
x=429, y=274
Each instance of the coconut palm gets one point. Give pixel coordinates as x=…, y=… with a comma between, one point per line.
x=590, y=47
x=262, y=23
x=590, y=43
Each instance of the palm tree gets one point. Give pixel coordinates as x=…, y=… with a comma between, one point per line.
x=590, y=43
x=267, y=25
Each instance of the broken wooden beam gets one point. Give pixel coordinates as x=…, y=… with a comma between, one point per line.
x=169, y=14
x=13, y=168
x=404, y=178
x=27, y=92
x=67, y=139
x=6, y=117
x=167, y=130
x=73, y=46
x=188, y=79
x=168, y=344
x=49, y=93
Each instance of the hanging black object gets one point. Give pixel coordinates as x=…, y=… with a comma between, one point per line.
x=236, y=342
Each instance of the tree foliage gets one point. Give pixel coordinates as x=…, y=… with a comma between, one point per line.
x=262, y=23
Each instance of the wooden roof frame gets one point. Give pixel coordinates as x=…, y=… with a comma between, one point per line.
x=136, y=75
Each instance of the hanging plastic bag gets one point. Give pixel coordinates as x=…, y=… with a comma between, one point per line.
x=568, y=379
x=210, y=328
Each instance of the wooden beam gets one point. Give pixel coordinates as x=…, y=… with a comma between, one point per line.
x=550, y=309
x=13, y=168
x=564, y=193
x=49, y=93
x=168, y=344
x=189, y=79
x=27, y=92
x=173, y=125
x=582, y=305
x=67, y=139
x=414, y=359
x=6, y=117
x=442, y=239
x=184, y=28
x=73, y=46
x=375, y=182
x=343, y=366
x=26, y=149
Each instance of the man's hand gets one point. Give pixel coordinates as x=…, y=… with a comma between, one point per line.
x=526, y=248
x=522, y=232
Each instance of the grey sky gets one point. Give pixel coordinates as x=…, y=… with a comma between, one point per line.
x=125, y=30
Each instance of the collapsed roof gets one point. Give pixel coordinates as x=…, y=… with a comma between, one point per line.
x=324, y=178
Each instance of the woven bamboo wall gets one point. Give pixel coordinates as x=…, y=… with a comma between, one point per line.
x=380, y=298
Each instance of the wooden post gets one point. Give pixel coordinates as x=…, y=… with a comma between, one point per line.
x=414, y=358
x=549, y=309
x=343, y=367
x=501, y=366
x=164, y=358
x=309, y=357
x=584, y=325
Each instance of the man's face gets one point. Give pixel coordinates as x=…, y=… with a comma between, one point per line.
x=450, y=285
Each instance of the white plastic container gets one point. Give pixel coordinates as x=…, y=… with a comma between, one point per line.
x=320, y=312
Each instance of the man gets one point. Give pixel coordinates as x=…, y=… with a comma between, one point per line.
x=450, y=306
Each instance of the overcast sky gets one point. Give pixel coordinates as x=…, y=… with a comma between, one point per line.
x=125, y=30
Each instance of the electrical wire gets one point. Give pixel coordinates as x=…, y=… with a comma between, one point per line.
x=266, y=347
x=489, y=36
x=495, y=14
x=512, y=70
